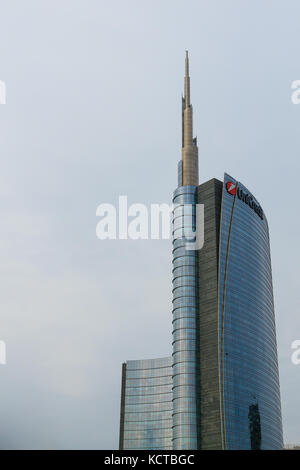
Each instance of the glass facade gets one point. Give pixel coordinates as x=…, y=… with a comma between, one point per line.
x=185, y=309
x=250, y=396
x=220, y=388
x=146, y=422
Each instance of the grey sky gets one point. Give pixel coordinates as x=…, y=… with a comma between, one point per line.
x=93, y=111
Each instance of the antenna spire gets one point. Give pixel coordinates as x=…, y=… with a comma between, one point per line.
x=187, y=80
x=189, y=144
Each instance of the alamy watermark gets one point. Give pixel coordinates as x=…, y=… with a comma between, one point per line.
x=2, y=353
x=296, y=354
x=160, y=221
x=2, y=92
x=295, y=96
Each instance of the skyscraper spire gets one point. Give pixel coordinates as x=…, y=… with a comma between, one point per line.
x=187, y=80
x=189, y=144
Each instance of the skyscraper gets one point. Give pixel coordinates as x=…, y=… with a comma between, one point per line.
x=220, y=388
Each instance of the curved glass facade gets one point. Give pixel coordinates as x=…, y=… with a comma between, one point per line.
x=185, y=309
x=146, y=422
x=250, y=396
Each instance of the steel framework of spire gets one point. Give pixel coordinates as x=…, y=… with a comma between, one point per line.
x=189, y=144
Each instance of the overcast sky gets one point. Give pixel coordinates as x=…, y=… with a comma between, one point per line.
x=93, y=112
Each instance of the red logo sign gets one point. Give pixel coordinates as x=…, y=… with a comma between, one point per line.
x=231, y=188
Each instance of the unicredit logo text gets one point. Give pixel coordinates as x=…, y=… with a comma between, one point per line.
x=233, y=189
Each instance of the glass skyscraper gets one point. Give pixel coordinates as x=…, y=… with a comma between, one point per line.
x=146, y=416
x=220, y=387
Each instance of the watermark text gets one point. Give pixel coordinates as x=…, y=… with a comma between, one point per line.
x=296, y=354
x=2, y=92
x=2, y=353
x=160, y=221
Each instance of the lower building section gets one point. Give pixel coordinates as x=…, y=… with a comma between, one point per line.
x=220, y=388
x=146, y=404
